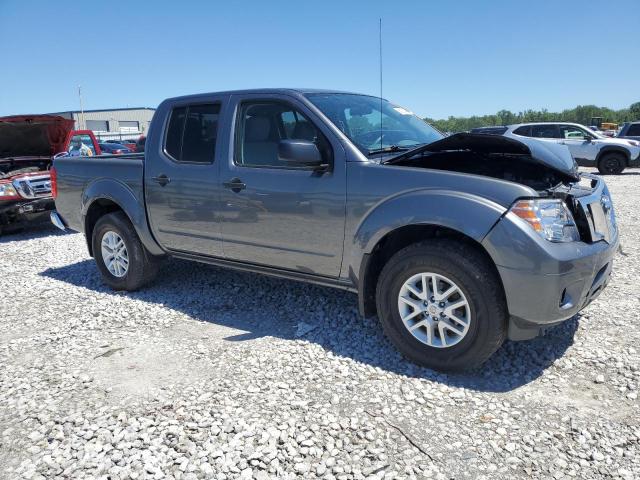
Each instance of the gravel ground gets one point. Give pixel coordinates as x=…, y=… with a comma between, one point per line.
x=218, y=374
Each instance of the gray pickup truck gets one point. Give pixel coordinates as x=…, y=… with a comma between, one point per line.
x=455, y=243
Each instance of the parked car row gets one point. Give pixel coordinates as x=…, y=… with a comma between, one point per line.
x=120, y=147
x=129, y=143
x=589, y=148
x=114, y=148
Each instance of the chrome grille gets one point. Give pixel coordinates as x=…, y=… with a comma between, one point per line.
x=33, y=187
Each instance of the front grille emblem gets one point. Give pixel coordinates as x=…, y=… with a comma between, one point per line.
x=33, y=187
x=24, y=188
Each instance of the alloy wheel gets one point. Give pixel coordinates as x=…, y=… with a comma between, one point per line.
x=114, y=254
x=434, y=310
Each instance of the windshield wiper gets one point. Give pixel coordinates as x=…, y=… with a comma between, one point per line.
x=410, y=152
x=390, y=148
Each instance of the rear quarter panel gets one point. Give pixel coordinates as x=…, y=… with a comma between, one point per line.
x=83, y=180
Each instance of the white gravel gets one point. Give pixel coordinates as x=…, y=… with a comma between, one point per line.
x=218, y=374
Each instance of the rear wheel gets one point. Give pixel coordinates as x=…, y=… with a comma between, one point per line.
x=121, y=258
x=612, y=164
x=441, y=304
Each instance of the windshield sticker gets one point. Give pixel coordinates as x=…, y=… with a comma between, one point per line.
x=402, y=111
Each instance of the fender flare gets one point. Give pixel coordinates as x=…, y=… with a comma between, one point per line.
x=614, y=149
x=132, y=206
x=468, y=214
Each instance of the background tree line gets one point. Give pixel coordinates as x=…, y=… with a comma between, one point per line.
x=581, y=114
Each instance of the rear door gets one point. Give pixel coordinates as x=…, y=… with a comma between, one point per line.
x=182, y=179
x=274, y=214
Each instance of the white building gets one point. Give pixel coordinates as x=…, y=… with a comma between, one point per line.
x=113, y=123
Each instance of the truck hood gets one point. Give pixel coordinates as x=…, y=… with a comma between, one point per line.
x=33, y=135
x=555, y=157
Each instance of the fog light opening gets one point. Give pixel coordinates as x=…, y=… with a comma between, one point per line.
x=565, y=300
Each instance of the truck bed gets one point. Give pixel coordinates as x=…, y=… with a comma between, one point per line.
x=78, y=176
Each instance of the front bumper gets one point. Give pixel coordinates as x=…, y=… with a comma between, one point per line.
x=546, y=283
x=25, y=211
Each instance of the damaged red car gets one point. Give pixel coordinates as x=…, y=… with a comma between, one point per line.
x=28, y=144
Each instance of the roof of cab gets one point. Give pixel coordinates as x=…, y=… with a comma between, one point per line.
x=282, y=91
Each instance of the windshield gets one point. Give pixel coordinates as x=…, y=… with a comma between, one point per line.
x=372, y=124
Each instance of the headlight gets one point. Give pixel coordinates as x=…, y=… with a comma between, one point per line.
x=7, y=190
x=550, y=218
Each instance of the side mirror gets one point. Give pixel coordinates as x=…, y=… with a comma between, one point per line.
x=303, y=153
x=588, y=138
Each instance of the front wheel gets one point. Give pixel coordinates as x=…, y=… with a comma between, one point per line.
x=442, y=305
x=611, y=164
x=121, y=258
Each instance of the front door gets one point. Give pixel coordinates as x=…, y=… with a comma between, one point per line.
x=276, y=214
x=181, y=180
x=579, y=142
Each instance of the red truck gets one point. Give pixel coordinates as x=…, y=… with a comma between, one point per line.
x=28, y=144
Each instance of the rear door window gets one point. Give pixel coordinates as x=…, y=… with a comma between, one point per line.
x=524, y=131
x=544, y=131
x=192, y=133
x=173, y=139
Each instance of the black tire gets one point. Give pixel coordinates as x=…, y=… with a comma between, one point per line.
x=143, y=266
x=612, y=164
x=477, y=279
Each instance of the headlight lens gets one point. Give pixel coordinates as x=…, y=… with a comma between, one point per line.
x=7, y=190
x=550, y=218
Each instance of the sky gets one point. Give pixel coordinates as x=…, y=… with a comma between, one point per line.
x=440, y=58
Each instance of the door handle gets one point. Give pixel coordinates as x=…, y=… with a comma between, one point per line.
x=162, y=179
x=235, y=185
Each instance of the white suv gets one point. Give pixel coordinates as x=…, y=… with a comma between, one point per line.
x=589, y=148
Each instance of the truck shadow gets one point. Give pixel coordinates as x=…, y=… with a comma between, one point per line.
x=263, y=306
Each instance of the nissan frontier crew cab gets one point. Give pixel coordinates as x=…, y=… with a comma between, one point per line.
x=455, y=243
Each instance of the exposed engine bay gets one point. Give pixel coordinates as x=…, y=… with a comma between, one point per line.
x=536, y=164
x=511, y=167
x=10, y=168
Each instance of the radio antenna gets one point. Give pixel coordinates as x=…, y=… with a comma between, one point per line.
x=380, y=59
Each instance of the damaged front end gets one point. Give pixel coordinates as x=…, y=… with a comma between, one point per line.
x=579, y=203
x=24, y=197
x=538, y=165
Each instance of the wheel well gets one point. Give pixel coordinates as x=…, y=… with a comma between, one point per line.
x=395, y=241
x=99, y=208
x=606, y=151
